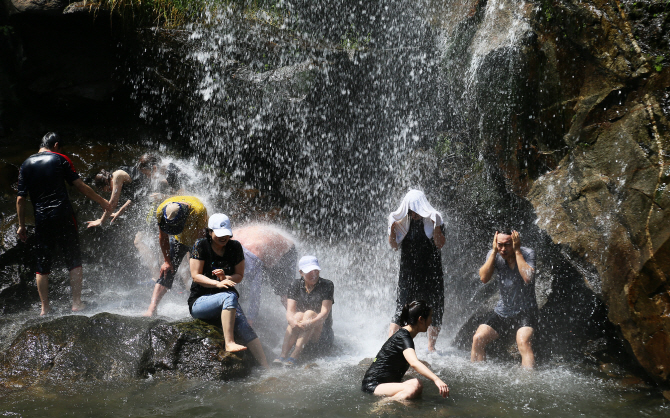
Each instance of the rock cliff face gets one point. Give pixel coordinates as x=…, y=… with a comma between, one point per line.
x=586, y=140
x=607, y=201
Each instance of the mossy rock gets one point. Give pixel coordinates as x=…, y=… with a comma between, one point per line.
x=110, y=347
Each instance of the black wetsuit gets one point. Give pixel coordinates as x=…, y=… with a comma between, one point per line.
x=421, y=276
x=43, y=177
x=390, y=365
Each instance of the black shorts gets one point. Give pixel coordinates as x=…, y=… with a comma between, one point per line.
x=433, y=294
x=506, y=326
x=57, y=233
x=177, y=253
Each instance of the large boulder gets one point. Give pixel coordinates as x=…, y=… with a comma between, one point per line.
x=108, y=347
x=572, y=100
x=607, y=202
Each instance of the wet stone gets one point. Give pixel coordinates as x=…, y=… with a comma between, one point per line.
x=109, y=347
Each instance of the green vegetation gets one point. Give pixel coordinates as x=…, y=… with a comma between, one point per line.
x=175, y=13
x=658, y=63
x=353, y=41
x=6, y=30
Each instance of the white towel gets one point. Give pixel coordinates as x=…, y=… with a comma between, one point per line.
x=416, y=201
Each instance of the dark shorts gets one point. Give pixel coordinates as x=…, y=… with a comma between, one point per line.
x=177, y=253
x=433, y=294
x=57, y=233
x=506, y=326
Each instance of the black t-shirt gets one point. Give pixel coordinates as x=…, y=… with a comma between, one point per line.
x=420, y=259
x=43, y=176
x=202, y=250
x=323, y=290
x=390, y=364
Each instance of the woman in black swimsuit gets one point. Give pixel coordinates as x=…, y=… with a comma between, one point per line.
x=397, y=354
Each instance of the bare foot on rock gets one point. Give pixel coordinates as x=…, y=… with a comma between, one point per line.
x=234, y=348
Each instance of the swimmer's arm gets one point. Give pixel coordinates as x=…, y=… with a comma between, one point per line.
x=239, y=273
x=486, y=271
x=21, y=214
x=121, y=210
x=164, y=243
x=410, y=356
x=525, y=270
x=291, y=308
x=326, y=306
x=197, y=267
x=392, y=235
x=91, y=194
x=438, y=237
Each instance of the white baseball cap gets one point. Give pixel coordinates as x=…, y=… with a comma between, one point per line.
x=220, y=224
x=308, y=263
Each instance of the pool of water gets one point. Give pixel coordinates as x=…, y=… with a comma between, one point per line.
x=330, y=387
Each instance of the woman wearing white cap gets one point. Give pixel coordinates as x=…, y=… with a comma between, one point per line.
x=217, y=265
x=308, y=312
x=417, y=229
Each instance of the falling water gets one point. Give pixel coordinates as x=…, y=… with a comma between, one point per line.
x=333, y=110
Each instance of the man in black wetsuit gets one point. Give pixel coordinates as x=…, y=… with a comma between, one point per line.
x=42, y=176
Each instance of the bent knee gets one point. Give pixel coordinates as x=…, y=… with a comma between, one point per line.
x=416, y=386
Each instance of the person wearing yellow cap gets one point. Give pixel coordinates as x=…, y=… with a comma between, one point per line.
x=181, y=221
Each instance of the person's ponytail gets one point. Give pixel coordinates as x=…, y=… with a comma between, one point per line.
x=411, y=312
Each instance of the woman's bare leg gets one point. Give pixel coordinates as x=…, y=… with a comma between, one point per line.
x=228, y=325
x=408, y=389
x=257, y=351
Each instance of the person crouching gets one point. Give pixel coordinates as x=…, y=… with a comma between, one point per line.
x=308, y=312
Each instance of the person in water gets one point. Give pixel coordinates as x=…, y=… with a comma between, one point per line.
x=417, y=229
x=43, y=176
x=269, y=256
x=181, y=221
x=516, y=311
x=397, y=354
x=308, y=313
x=217, y=266
x=128, y=184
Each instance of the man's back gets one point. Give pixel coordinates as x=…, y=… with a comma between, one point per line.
x=43, y=176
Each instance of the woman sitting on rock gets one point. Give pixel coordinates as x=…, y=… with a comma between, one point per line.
x=217, y=265
x=397, y=354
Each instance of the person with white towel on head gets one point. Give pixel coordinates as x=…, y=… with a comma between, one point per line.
x=417, y=229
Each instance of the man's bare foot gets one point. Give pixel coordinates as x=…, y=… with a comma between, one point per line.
x=234, y=348
x=149, y=313
x=45, y=311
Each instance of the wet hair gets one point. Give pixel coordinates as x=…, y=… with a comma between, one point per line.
x=148, y=161
x=102, y=179
x=505, y=230
x=50, y=139
x=411, y=312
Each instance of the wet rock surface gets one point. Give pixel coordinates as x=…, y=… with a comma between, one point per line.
x=109, y=347
x=573, y=120
x=606, y=202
